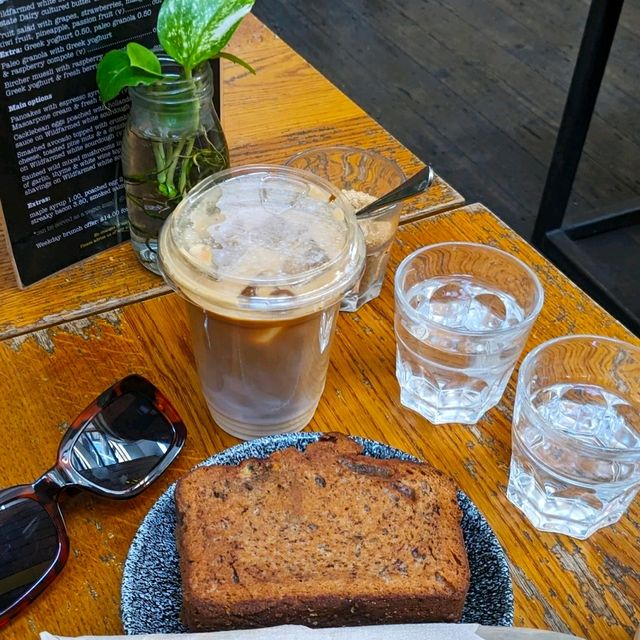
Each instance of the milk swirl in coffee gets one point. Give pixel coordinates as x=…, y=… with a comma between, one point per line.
x=264, y=255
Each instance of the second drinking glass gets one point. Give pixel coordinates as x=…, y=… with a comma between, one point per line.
x=575, y=459
x=463, y=314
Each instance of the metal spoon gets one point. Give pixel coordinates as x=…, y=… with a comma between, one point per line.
x=415, y=185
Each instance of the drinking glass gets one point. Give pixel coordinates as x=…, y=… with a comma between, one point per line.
x=575, y=464
x=362, y=176
x=463, y=314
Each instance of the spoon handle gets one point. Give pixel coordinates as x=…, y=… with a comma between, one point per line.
x=411, y=187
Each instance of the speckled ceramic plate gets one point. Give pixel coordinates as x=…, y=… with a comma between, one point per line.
x=151, y=596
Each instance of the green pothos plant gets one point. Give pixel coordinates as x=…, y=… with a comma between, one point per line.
x=190, y=32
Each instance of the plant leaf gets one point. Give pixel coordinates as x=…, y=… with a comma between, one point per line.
x=142, y=58
x=240, y=61
x=192, y=31
x=115, y=72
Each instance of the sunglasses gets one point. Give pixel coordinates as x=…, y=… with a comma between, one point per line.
x=115, y=448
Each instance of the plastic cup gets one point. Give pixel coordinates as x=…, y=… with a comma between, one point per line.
x=263, y=255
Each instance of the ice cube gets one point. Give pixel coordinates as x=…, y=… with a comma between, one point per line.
x=582, y=412
x=304, y=257
x=625, y=426
x=278, y=195
x=544, y=399
x=487, y=311
x=448, y=305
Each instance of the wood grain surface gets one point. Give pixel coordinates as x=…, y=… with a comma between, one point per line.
x=589, y=588
x=285, y=108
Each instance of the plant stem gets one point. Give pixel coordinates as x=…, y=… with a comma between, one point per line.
x=173, y=163
x=186, y=162
x=161, y=166
x=167, y=157
x=184, y=169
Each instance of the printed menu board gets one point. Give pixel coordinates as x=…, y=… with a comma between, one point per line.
x=61, y=184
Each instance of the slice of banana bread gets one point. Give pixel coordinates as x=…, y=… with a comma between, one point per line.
x=324, y=537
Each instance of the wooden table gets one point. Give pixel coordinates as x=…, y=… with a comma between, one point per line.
x=590, y=588
x=285, y=108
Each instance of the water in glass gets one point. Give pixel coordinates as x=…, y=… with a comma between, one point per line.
x=565, y=474
x=463, y=314
x=454, y=376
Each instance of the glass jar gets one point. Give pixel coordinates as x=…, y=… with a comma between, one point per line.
x=173, y=139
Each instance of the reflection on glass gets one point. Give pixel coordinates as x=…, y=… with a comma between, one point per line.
x=28, y=547
x=122, y=443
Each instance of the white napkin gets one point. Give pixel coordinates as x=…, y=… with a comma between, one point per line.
x=382, y=632
x=295, y=632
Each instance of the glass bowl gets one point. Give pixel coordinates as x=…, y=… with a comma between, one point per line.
x=362, y=176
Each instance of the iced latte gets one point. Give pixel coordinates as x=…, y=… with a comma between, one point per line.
x=264, y=256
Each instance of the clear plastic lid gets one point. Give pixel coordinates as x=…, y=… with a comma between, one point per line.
x=252, y=241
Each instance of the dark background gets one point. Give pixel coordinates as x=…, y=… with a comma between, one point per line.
x=477, y=88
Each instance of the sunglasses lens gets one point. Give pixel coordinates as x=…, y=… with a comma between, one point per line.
x=28, y=548
x=123, y=443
